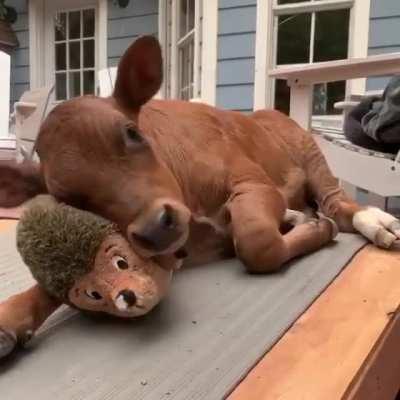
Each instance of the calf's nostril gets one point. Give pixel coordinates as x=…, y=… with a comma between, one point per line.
x=167, y=217
x=128, y=296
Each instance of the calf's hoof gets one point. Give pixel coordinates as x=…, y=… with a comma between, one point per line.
x=378, y=226
x=8, y=343
x=331, y=222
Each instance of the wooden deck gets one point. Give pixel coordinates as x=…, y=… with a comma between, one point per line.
x=345, y=346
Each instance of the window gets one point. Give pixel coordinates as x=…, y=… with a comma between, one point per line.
x=67, y=45
x=311, y=35
x=183, y=47
x=307, y=31
x=74, y=46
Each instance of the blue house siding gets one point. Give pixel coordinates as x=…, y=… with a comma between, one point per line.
x=236, y=54
x=126, y=24
x=383, y=34
x=20, y=56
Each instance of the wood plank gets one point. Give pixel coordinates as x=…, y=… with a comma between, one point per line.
x=321, y=355
x=379, y=378
x=6, y=224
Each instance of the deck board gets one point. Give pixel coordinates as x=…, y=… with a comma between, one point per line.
x=325, y=351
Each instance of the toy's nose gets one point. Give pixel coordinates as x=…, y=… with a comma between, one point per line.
x=127, y=296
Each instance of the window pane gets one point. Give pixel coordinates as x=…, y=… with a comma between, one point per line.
x=294, y=33
x=61, y=86
x=282, y=96
x=88, y=53
x=88, y=82
x=61, y=56
x=74, y=84
x=183, y=18
x=191, y=15
x=331, y=35
x=326, y=95
x=88, y=23
x=60, y=26
x=74, y=55
x=74, y=24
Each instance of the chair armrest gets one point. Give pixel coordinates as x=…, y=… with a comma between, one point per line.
x=345, y=105
x=330, y=71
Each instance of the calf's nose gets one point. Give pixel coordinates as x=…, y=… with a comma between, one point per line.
x=159, y=233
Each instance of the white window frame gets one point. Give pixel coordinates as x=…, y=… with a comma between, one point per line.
x=205, y=46
x=265, y=36
x=41, y=34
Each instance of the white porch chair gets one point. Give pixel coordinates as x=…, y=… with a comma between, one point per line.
x=377, y=173
x=29, y=112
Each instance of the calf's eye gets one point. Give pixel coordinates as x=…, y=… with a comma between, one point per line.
x=133, y=135
x=120, y=262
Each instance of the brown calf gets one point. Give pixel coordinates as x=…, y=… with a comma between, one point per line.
x=176, y=174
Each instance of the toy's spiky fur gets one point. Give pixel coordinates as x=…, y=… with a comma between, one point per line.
x=58, y=243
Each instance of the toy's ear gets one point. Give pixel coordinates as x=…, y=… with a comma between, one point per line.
x=139, y=74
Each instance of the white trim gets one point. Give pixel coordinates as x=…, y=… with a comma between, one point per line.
x=197, y=51
x=162, y=37
x=5, y=77
x=39, y=33
x=204, y=82
x=174, y=62
x=36, y=44
x=266, y=41
x=209, y=52
x=263, y=85
x=358, y=42
x=102, y=15
x=312, y=6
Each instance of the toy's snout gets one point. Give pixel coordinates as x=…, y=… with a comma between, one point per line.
x=125, y=299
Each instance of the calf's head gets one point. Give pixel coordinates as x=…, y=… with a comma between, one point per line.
x=95, y=156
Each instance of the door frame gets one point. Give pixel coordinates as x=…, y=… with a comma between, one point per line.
x=41, y=61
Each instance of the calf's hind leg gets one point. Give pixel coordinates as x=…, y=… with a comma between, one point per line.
x=378, y=226
x=256, y=214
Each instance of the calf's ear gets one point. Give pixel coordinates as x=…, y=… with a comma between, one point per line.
x=139, y=74
x=19, y=182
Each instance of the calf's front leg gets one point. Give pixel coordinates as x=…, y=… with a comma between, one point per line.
x=256, y=212
x=21, y=315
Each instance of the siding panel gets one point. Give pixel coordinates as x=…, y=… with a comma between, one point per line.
x=126, y=24
x=236, y=97
x=231, y=72
x=237, y=20
x=385, y=8
x=235, y=46
x=20, y=56
x=236, y=54
x=236, y=3
x=383, y=34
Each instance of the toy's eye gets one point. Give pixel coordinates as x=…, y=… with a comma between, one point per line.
x=93, y=294
x=120, y=262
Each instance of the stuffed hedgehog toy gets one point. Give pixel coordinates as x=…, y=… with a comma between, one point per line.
x=82, y=260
